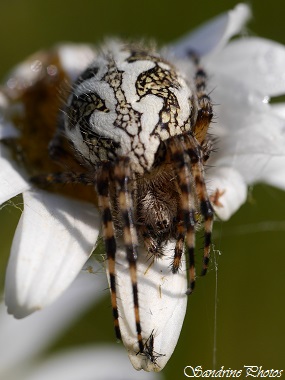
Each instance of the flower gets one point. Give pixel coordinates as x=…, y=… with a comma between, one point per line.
x=24, y=360
x=56, y=235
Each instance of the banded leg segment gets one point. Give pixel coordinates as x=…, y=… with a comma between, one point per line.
x=205, y=111
x=199, y=156
x=103, y=181
x=187, y=206
x=44, y=180
x=180, y=237
x=206, y=208
x=122, y=175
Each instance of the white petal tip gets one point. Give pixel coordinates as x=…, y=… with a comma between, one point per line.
x=18, y=309
x=214, y=35
x=228, y=191
x=21, y=312
x=155, y=355
x=243, y=11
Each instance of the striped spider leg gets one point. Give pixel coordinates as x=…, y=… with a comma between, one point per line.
x=118, y=177
x=200, y=154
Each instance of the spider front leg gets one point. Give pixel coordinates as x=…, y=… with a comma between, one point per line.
x=205, y=110
x=179, y=246
x=195, y=153
x=199, y=148
x=63, y=178
x=186, y=208
x=122, y=174
x=103, y=182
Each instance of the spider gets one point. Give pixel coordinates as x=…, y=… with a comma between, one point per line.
x=136, y=130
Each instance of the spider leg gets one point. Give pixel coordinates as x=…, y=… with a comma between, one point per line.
x=122, y=173
x=206, y=208
x=178, y=251
x=103, y=181
x=44, y=180
x=205, y=111
x=187, y=206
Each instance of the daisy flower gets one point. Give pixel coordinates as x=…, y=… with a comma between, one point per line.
x=57, y=234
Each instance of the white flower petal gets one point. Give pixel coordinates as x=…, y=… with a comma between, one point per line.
x=256, y=62
x=162, y=305
x=279, y=109
x=89, y=363
x=7, y=130
x=237, y=106
x=35, y=333
x=254, y=152
x=75, y=58
x=250, y=132
x=12, y=182
x=213, y=35
x=265, y=137
x=231, y=187
x=256, y=167
x=54, y=238
x=273, y=172
x=3, y=101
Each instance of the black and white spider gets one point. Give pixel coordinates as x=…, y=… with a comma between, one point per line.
x=134, y=128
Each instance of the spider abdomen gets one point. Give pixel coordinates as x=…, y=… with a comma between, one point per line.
x=125, y=103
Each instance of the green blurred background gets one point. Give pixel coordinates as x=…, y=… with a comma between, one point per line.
x=250, y=326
